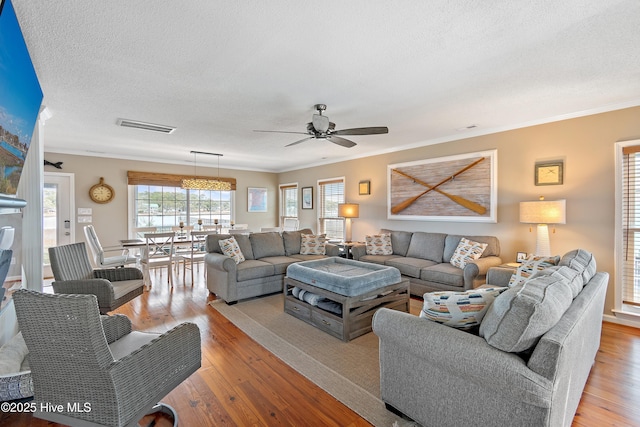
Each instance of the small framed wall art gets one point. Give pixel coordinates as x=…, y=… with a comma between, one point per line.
x=549, y=173
x=364, y=188
x=521, y=256
x=257, y=199
x=307, y=197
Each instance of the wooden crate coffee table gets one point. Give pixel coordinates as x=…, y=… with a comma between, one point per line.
x=359, y=288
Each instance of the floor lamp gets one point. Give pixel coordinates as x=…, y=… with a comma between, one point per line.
x=543, y=212
x=348, y=211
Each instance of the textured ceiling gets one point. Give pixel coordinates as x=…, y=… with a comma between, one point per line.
x=219, y=70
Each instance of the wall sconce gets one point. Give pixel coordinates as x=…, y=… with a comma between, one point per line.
x=348, y=211
x=543, y=212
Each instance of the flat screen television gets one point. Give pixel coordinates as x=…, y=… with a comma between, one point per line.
x=20, y=99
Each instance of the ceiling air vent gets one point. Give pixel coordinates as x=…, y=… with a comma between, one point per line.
x=146, y=126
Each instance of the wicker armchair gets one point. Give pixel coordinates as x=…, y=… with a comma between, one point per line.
x=93, y=369
x=74, y=275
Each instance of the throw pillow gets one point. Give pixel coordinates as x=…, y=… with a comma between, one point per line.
x=467, y=251
x=231, y=249
x=379, y=244
x=530, y=267
x=12, y=354
x=522, y=314
x=582, y=261
x=461, y=310
x=313, y=244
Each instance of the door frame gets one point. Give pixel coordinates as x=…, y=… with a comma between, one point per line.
x=70, y=191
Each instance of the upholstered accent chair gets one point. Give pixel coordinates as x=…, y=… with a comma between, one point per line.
x=77, y=356
x=74, y=275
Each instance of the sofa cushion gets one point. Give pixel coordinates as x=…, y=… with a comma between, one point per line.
x=461, y=310
x=573, y=277
x=379, y=244
x=301, y=257
x=409, y=266
x=231, y=249
x=245, y=245
x=313, y=244
x=292, y=240
x=444, y=273
x=530, y=267
x=426, y=246
x=280, y=263
x=582, y=261
x=452, y=240
x=266, y=244
x=254, y=269
x=400, y=240
x=378, y=259
x=467, y=251
x=522, y=314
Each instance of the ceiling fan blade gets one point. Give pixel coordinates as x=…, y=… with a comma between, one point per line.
x=298, y=142
x=362, y=131
x=341, y=141
x=281, y=131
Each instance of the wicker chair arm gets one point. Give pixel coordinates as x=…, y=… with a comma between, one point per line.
x=118, y=274
x=101, y=288
x=157, y=367
x=115, y=326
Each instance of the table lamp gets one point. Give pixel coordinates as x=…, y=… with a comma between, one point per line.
x=543, y=212
x=348, y=211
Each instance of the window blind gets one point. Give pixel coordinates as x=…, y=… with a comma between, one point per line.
x=331, y=194
x=289, y=194
x=631, y=225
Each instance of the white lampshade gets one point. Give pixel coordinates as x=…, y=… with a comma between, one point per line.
x=543, y=212
x=349, y=210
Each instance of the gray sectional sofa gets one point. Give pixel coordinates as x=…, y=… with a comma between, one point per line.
x=424, y=258
x=267, y=256
x=438, y=375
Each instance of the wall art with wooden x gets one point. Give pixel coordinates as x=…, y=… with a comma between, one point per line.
x=452, y=188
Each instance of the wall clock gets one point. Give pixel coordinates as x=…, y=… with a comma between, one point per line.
x=101, y=192
x=549, y=173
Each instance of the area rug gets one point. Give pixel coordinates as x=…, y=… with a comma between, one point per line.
x=350, y=372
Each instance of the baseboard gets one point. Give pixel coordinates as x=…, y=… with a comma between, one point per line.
x=620, y=321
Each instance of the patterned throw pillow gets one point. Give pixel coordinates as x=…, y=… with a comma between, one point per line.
x=467, y=251
x=379, y=244
x=231, y=249
x=530, y=266
x=313, y=244
x=460, y=310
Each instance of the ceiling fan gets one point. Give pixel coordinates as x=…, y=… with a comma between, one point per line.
x=321, y=128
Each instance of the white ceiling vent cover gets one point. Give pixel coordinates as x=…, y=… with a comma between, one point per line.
x=146, y=126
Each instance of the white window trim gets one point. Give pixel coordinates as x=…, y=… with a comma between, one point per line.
x=624, y=313
x=281, y=210
x=318, y=183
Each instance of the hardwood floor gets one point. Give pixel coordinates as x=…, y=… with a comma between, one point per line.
x=242, y=384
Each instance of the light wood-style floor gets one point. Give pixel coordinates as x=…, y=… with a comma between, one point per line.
x=241, y=384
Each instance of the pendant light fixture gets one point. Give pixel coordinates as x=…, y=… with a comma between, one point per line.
x=196, y=183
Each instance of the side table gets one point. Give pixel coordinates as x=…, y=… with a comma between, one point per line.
x=346, y=248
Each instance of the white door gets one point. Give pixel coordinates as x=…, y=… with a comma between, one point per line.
x=57, y=213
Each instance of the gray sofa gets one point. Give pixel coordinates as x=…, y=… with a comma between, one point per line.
x=267, y=256
x=424, y=258
x=438, y=375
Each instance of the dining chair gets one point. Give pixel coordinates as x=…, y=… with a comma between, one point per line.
x=238, y=231
x=197, y=251
x=139, y=232
x=158, y=252
x=290, y=224
x=98, y=251
x=212, y=227
x=267, y=229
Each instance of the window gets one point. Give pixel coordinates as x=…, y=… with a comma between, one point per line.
x=289, y=201
x=166, y=206
x=330, y=194
x=628, y=228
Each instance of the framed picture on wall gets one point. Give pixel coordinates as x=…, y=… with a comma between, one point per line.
x=257, y=199
x=364, y=188
x=307, y=197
